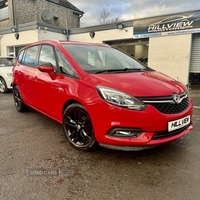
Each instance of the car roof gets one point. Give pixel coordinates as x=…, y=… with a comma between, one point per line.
x=56, y=42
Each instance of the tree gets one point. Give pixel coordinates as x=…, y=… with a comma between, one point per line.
x=105, y=17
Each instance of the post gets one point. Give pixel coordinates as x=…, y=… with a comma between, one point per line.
x=67, y=30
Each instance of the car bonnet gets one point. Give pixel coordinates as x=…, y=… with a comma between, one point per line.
x=140, y=84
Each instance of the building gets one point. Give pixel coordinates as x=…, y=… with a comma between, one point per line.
x=169, y=43
x=26, y=21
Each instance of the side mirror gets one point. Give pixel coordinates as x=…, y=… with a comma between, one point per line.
x=48, y=68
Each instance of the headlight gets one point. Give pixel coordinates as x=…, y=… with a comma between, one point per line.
x=120, y=99
x=187, y=88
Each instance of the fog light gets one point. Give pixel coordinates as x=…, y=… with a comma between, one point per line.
x=123, y=132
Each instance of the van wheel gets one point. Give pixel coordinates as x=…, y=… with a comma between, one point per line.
x=78, y=127
x=3, y=86
x=19, y=104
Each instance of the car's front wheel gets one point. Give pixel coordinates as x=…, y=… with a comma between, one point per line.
x=3, y=86
x=19, y=104
x=78, y=127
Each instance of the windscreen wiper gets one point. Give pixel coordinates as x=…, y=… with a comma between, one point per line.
x=120, y=70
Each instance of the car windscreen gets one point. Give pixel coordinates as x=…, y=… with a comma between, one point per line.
x=6, y=62
x=100, y=59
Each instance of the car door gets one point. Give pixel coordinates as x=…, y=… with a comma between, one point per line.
x=26, y=75
x=46, y=87
x=54, y=93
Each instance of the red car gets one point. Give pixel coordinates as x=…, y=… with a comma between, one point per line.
x=100, y=95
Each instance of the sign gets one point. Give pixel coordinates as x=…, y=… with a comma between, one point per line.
x=185, y=23
x=177, y=124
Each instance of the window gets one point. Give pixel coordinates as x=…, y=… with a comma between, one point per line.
x=91, y=58
x=47, y=55
x=30, y=57
x=55, y=21
x=6, y=62
x=64, y=65
x=20, y=56
x=4, y=10
x=14, y=50
x=95, y=59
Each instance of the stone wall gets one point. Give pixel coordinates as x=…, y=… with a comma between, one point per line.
x=31, y=10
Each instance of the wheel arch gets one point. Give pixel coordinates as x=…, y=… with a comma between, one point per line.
x=86, y=145
x=68, y=103
x=2, y=78
x=4, y=82
x=13, y=85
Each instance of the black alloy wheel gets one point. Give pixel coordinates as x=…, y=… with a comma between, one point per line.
x=78, y=127
x=3, y=86
x=19, y=104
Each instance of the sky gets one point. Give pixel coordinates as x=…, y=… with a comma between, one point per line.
x=131, y=9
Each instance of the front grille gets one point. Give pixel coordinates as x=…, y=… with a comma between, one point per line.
x=169, y=108
x=167, y=105
x=166, y=134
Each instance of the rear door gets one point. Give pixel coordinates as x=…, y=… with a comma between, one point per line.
x=26, y=75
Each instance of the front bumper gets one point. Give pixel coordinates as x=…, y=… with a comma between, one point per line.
x=152, y=124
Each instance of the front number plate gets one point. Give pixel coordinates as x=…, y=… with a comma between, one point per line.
x=179, y=123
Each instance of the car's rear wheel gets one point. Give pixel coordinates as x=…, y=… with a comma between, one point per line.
x=78, y=127
x=3, y=85
x=19, y=104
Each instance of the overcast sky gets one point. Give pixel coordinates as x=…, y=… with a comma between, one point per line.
x=131, y=9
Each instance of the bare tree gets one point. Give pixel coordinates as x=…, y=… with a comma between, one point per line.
x=115, y=19
x=105, y=17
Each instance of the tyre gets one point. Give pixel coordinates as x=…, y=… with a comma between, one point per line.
x=3, y=86
x=19, y=104
x=78, y=127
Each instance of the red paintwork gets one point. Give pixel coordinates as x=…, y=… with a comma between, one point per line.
x=40, y=91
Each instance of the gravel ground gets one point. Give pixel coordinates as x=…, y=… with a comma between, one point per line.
x=37, y=163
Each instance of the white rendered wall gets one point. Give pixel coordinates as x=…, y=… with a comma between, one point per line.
x=50, y=36
x=27, y=37
x=171, y=55
x=114, y=34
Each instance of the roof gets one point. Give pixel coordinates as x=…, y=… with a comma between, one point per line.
x=57, y=42
x=66, y=4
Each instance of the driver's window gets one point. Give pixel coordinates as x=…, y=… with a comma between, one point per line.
x=47, y=55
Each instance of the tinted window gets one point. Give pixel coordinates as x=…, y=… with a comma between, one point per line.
x=64, y=65
x=30, y=57
x=47, y=55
